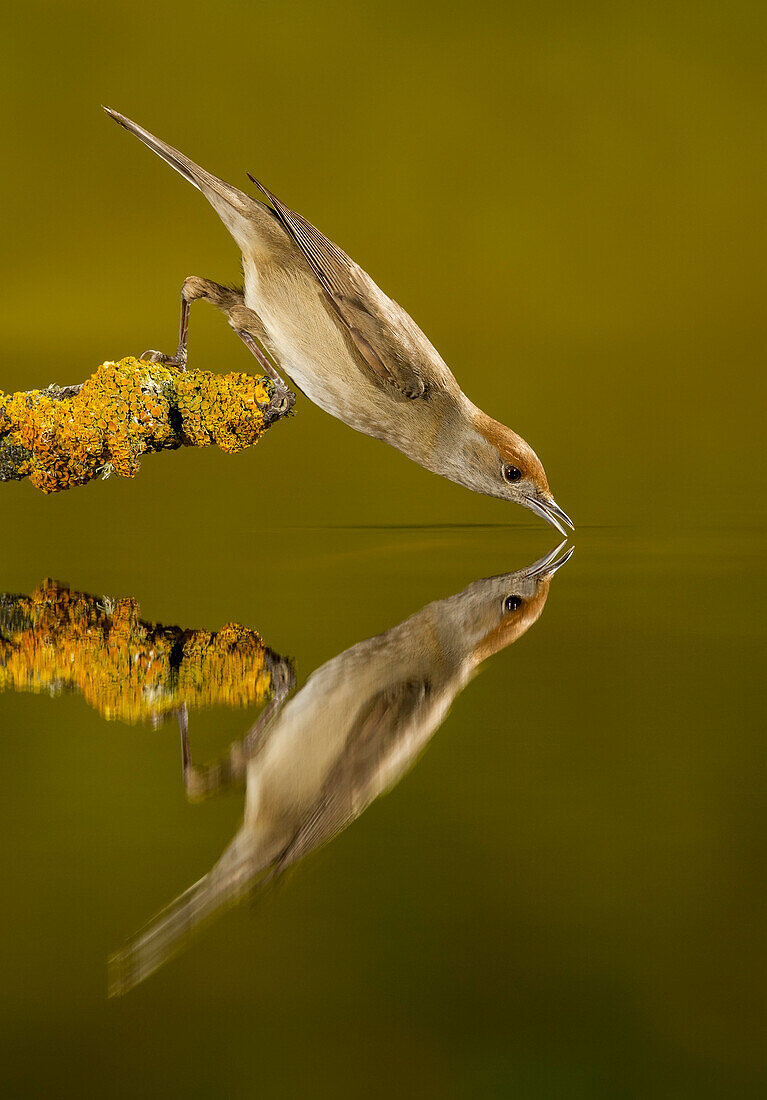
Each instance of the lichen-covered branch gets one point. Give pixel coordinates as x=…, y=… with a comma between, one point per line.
x=56, y=640
x=65, y=436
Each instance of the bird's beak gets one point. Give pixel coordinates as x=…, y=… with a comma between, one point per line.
x=549, y=510
x=547, y=567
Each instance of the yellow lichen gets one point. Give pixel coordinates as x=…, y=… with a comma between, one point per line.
x=126, y=668
x=124, y=411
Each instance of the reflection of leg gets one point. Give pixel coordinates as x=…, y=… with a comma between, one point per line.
x=223, y=297
x=207, y=779
x=250, y=744
x=182, y=715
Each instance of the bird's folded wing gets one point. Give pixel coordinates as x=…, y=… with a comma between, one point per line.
x=388, y=340
x=356, y=777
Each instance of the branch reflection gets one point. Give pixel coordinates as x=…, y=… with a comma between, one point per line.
x=57, y=640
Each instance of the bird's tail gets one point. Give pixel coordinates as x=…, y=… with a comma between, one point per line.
x=240, y=213
x=237, y=873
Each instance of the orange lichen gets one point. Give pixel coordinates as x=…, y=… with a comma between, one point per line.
x=126, y=668
x=123, y=411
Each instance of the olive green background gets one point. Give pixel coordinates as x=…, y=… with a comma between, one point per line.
x=566, y=897
x=569, y=200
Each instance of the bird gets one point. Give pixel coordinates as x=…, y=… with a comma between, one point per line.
x=308, y=309
x=346, y=737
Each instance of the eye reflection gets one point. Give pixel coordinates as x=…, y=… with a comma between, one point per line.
x=512, y=603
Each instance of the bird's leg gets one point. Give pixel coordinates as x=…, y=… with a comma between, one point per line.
x=182, y=716
x=198, y=781
x=250, y=330
x=204, y=780
x=223, y=297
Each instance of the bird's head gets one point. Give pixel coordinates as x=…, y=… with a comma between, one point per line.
x=494, y=612
x=498, y=462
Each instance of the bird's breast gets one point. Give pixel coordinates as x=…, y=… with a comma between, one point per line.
x=316, y=352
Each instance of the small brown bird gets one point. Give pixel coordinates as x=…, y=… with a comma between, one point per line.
x=354, y=729
x=351, y=349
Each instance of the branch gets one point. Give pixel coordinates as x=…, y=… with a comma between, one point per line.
x=128, y=669
x=65, y=436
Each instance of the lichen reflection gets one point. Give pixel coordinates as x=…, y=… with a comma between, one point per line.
x=57, y=640
x=314, y=763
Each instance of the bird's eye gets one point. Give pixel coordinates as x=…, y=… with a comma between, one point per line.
x=512, y=473
x=512, y=603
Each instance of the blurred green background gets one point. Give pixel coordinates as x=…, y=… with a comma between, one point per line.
x=568, y=199
x=566, y=897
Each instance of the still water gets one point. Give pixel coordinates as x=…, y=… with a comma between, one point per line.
x=438, y=811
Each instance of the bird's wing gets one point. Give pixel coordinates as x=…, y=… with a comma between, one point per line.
x=391, y=344
x=351, y=784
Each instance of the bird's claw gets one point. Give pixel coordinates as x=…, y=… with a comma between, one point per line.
x=177, y=360
x=282, y=400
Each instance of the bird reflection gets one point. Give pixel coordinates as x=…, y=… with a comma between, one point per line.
x=314, y=762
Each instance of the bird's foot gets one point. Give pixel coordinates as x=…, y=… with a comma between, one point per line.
x=282, y=400
x=177, y=360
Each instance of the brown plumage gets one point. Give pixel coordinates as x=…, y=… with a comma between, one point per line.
x=351, y=349
x=350, y=734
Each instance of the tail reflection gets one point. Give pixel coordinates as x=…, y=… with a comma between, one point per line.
x=346, y=737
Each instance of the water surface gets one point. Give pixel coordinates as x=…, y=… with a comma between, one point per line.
x=561, y=893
